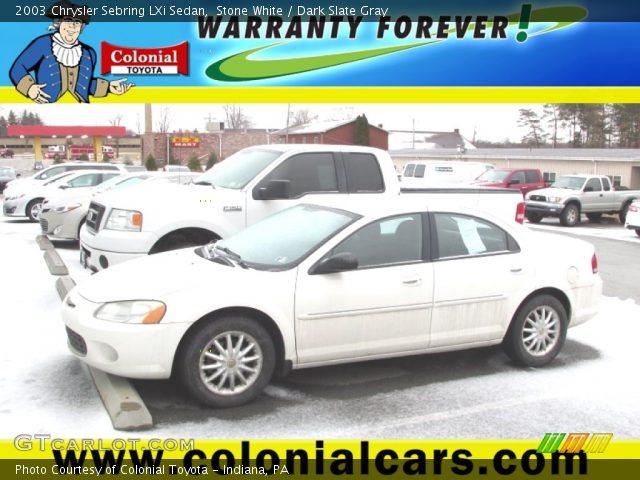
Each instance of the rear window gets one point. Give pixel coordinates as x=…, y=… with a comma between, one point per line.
x=363, y=173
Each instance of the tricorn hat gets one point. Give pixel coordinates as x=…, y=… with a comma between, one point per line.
x=65, y=9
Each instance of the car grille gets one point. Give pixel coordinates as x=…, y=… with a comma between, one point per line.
x=76, y=342
x=538, y=198
x=44, y=225
x=94, y=216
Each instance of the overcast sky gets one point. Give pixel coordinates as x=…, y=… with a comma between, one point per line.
x=493, y=122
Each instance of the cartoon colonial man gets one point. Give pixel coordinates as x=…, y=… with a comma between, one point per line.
x=61, y=63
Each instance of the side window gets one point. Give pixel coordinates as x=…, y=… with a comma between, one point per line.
x=308, y=173
x=394, y=240
x=409, y=169
x=51, y=173
x=549, y=176
x=463, y=235
x=531, y=176
x=605, y=184
x=88, y=180
x=519, y=177
x=419, y=171
x=593, y=185
x=363, y=173
x=107, y=176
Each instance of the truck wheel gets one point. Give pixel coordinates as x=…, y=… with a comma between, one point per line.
x=623, y=212
x=227, y=362
x=570, y=216
x=638, y=232
x=533, y=217
x=33, y=209
x=537, y=332
x=594, y=217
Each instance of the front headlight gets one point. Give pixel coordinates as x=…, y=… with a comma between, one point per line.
x=555, y=199
x=66, y=208
x=134, y=311
x=126, y=220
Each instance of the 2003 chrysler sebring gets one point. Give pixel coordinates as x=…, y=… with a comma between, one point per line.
x=317, y=285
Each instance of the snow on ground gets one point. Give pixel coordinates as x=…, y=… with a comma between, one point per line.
x=592, y=385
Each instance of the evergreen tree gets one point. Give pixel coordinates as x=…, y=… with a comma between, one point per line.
x=362, y=130
x=194, y=163
x=150, y=164
x=3, y=126
x=213, y=159
x=12, y=119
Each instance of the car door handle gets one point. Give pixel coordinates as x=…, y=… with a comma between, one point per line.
x=412, y=281
x=515, y=269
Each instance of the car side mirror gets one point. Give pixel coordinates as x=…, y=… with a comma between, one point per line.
x=63, y=187
x=18, y=174
x=275, y=190
x=515, y=181
x=341, y=262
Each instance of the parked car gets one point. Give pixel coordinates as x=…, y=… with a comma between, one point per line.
x=572, y=195
x=252, y=184
x=422, y=173
x=7, y=174
x=62, y=217
x=6, y=152
x=632, y=220
x=57, y=169
x=38, y=165
x=29, y=202
x=319, y=285
x=523, y=179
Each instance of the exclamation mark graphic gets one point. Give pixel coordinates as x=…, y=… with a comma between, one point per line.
x=525, y=16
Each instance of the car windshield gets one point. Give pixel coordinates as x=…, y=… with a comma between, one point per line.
x=121, y=181
x=282, y=240
x=572, y=183
x=239, y=169
x=493, y=175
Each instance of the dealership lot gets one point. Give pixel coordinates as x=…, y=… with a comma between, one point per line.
x=477, y=393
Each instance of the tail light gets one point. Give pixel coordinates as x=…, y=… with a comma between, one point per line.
x=520, y=212
x=594, y=263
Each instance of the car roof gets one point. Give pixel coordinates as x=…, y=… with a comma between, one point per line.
x=312, y=147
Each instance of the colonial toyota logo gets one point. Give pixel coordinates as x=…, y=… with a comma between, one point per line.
x=169, y=60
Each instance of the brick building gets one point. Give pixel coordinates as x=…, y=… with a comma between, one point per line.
x=336, y=132
x=184, y=144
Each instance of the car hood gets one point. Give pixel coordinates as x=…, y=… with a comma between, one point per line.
x=555, y=192
x=154, y=277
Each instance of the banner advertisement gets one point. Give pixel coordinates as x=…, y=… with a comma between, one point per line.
x=320, y=239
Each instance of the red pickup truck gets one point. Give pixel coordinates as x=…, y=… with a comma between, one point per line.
x=523, y=179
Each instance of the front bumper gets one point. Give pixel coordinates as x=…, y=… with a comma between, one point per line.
x=544, y=208
x=61, y=226
x=127, y=350
x=14, y=208
x=110, y=247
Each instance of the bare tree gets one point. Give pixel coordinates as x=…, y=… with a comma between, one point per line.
x=236, y=118
x=531, y=121
x=301, y=117
x=116, y=120
x=164, y=120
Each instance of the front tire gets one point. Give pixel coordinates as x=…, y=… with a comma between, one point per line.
x=638, y=232
x=570, y=216
x=33, y=209
x=227, y=362
x=533, y=217
x=537, y=331
x=622, y=215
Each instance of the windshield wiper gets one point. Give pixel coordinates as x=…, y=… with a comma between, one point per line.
x=230, y=253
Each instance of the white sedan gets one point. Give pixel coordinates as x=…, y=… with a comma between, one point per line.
x=632, y=220
x=315, y=285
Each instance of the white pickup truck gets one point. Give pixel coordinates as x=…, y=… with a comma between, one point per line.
x=572, y=195
x=250, y=185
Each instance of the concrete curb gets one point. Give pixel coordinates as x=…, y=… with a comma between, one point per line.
x=44, y=243
x=64, y=285
x=122, y=402
x=55, y=263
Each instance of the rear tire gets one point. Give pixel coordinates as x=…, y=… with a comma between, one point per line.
x=33, y=209
x=570, y=216
x=227, y=362
x=594, y=217
x=638, y=232
x=537, y=332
